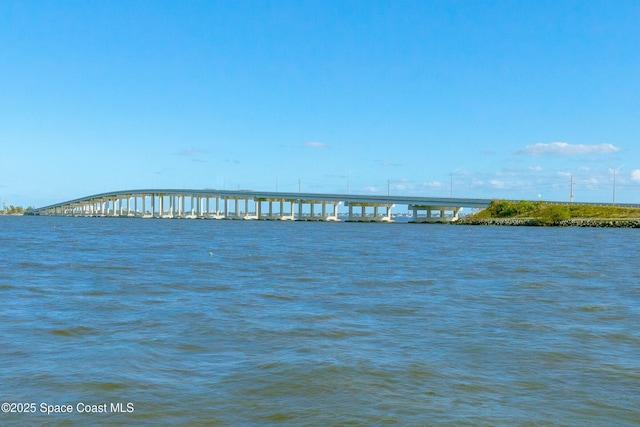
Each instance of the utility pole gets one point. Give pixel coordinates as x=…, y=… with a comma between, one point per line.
x=614, y=187
x=614, y=181
x=571, y=195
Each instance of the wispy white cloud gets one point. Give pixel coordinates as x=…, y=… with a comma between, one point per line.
x=501, y=185
x=315, y=144
x=432, y=185
x=402, y=187
x=590, y=182
x=635, y=175
x=565, y=149
x=371, y=189
x=476, y=181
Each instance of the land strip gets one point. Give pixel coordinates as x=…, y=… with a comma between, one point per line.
x=526, y=213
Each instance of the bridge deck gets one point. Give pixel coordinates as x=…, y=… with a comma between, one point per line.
x=265, y=195
x=189, y=203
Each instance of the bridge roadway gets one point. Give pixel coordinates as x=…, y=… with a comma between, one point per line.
x=246, y=204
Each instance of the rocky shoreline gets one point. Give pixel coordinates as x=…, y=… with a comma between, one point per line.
x=575, y=222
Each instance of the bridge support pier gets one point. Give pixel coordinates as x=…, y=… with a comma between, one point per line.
x=324, y=215
x=237, y=213
x=444, y=214
x=364, y=217
x=281, y=215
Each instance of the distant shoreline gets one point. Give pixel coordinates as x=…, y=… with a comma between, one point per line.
x=524, y=213
x=574, y=222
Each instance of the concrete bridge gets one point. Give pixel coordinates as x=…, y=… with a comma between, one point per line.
x=257, y=205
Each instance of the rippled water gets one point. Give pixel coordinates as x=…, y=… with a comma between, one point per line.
x=274, y=323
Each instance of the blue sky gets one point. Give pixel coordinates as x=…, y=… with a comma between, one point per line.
x=500, y=99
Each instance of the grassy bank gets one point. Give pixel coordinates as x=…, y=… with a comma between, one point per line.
x=546, y=214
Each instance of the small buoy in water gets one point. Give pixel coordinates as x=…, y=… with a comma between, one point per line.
x=210, y=253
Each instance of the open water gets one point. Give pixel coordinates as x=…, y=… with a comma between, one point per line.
x=232, y=323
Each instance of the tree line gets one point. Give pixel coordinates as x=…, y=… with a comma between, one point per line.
x=14, y=210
